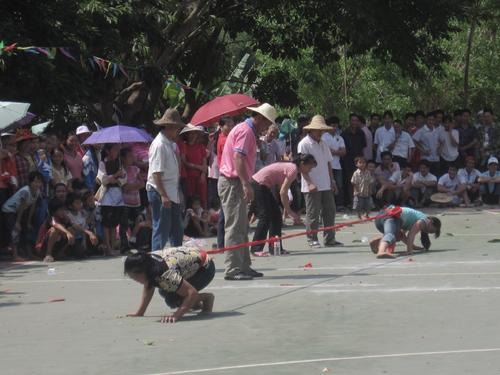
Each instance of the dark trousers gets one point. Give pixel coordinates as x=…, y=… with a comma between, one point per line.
x=199, y=281
x=268, y=213
x=403, y=162
x=220, y=230
x=339, y=197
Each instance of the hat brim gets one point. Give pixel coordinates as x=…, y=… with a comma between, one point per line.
x=184, y=131
x=257, y=110
x=441, y=198
x=317, y=127
x=160, y=122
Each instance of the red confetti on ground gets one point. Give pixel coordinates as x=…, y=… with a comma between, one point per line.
x=308, y=265
x=58, y=300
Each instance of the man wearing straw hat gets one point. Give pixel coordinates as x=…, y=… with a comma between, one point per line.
x=163, y=182
x=235, y=190
x=319, y=185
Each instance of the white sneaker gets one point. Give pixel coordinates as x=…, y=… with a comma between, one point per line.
x=315, y=244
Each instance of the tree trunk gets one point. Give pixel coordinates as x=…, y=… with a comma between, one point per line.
x=468, y=52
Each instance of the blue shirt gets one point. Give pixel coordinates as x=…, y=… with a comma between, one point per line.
x=409, y=216
x=491, y=185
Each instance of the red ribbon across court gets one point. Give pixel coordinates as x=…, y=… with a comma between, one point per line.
x=393, y=211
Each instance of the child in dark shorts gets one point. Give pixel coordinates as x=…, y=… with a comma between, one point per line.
x=362, y=182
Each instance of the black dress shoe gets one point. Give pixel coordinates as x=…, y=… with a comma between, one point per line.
x=253, y=273
x=240, y=276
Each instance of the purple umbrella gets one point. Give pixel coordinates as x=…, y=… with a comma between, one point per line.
x=118, y=134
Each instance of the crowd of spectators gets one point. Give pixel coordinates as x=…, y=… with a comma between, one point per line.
x=60, y=198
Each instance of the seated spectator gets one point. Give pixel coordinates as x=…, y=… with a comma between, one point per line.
x=55, y=236
x=15, y=208
x=84, y=237
x=423, y=185
x=362, y=182
x=387, y=175
x=450, y=184
x=196, y=220
x=469, y=177
x=60, y=174
x=490, y=182
x=140, y=237
x=403, y=182
x=92, y=213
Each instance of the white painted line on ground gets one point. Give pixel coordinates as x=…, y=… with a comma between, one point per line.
x=410, y=290
x=330, y=359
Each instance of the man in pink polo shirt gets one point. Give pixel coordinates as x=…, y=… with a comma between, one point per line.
x=236, y=169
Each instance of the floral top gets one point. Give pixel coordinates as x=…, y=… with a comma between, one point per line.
x=181, y=263
x=362, y=182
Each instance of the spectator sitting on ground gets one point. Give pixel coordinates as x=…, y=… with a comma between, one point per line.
x=387, y=174
x=15, y=208
x=424, y=184
x=403, y=182
x=196, y=220
x=84, y=237
x=140, y=237
x=57, y=235
x=469, y=177
x=450, y=184
x=490, y=182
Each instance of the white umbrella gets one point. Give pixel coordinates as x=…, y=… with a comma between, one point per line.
x=39, y=128
x=11, y=112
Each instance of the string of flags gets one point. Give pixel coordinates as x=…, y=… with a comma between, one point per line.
x=107, y=67
x=94, y=62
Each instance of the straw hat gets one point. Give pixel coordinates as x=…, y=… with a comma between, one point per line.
x=266, y=110
x=171, y=117
x=192, y=128
x=24, y=135
x=317, y=123
x=441, y=198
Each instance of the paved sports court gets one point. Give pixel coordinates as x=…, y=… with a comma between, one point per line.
x=433, y=313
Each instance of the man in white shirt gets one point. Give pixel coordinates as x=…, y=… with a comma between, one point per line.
x=337, y=147
x=402, y=147
x=318, y=185
x=423, y=185
x=469, y=177
x=163, y=183
x=427, y=141
x=388, y=176
x=384, y=136
x=450, y=184
x=448, y=144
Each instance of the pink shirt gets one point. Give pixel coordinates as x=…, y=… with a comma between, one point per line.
x=132, y=198
x=275, y=174
x=241, y=139
x=74, y=165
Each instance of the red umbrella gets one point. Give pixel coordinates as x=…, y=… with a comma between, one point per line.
x=227, y=105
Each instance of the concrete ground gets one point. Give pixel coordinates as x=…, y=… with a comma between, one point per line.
x=433, y=313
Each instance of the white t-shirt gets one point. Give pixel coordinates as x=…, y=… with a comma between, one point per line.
x=429, y=140
x=466, y=177
x=449, y=183
x=429, y=177
x=319, y=175
x=163, y=158
x=383, y=138
x=334, y=143
x=403, y=145
x=447, y=151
